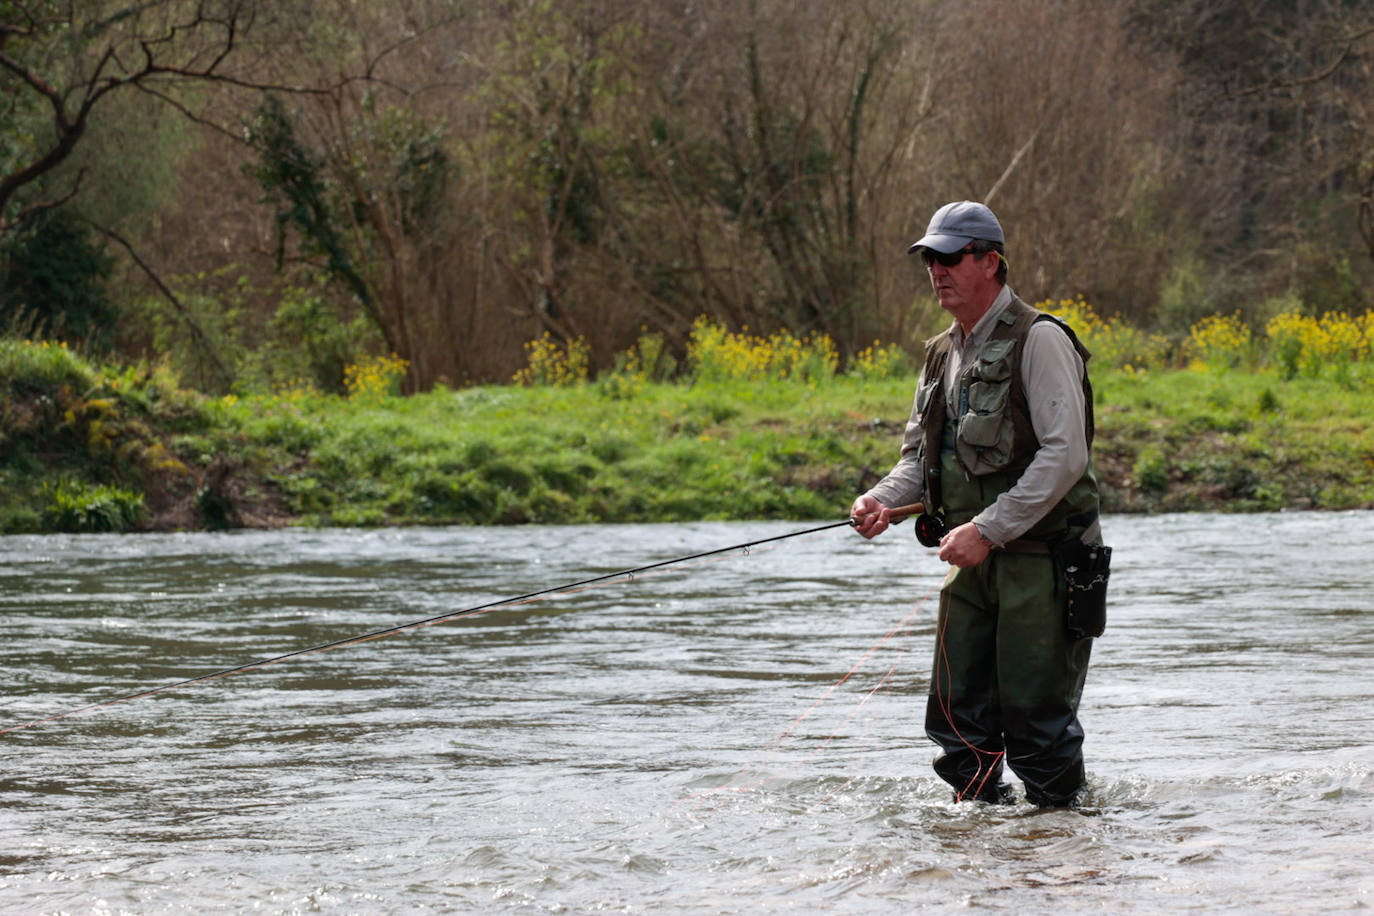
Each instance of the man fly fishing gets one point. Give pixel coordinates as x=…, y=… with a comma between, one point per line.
x=998, y=450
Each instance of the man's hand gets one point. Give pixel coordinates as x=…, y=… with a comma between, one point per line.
x=871, y=517
x=964, y=546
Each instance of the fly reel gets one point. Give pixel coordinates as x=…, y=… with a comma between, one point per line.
x=930, y=529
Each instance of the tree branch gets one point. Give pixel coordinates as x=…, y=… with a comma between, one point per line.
x=1325, y=74
x=197, y=333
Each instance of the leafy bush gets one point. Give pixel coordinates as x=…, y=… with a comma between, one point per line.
x=42, y=366
x=555, y=363
x=1333, y=343
x=878, y=362
x=73, y=506
x=375, y=378
x=52, y=281
x=1113, y=344
x=715, y=354
x=1220, y=342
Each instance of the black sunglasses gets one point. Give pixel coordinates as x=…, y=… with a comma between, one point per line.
x=930, y=256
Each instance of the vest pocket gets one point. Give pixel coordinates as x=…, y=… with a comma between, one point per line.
x=994, y=361
x=987, y=398
x=985, y=424
x=985, y=430
x=984, y=442
x=924, y=393
x=980, y=430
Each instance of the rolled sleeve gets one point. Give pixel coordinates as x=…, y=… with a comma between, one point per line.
x=904, y=485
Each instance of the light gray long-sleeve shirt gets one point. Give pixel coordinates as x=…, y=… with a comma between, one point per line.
x=1052, y=374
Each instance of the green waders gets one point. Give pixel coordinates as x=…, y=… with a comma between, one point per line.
x=1006, y=682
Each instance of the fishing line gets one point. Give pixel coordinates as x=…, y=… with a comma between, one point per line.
x=623, y=575
x=769, y=751
x=978, y=781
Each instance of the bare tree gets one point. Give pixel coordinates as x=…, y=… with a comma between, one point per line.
x=60, y=61
x=1279, y=94
x=1060, y=123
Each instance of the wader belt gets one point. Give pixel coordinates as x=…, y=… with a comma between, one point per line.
x=1082, y=520
x=1026, y=545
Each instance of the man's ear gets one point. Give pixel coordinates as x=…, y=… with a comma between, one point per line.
x=991, y=261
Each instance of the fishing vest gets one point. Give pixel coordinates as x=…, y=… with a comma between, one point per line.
x=969, y=460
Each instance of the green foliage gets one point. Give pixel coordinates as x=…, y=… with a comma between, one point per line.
x=375, y=199
x=790, y=184
x=1187, y=441
x=1196, y=287
x=228, y=334
x=42, y=367
x=715, y=354
x=760, y=163
x=411, y=161
x=1268, y=401
x=128, y=445
x=294, y=178
x=880, y=362
x=1151, y=471
x=551, y=453
x=73, y=506
x=52, y=281
x=126, y=174
x=1325, y=279
x=88, y=448
x=307, y=329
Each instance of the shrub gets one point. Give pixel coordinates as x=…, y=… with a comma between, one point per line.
x=1113, y=344
x=879, y=362
x=554, y=363
x=716, y=355
x=1219, y=342
x=1334, y=342
x=74, y=506
x=375, y=378
x=42, y=366
x=52, y=280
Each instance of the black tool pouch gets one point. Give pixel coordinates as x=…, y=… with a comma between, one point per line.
x=1085, y=568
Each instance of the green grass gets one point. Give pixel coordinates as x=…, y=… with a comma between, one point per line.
x=1187, y=440
x=569, y=454
x=85, y=448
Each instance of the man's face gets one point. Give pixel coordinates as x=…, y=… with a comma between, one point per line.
x=966, y=287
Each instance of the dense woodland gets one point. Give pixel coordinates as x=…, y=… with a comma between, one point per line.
x=262, y=193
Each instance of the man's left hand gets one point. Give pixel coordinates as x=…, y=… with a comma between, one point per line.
x=964, y=547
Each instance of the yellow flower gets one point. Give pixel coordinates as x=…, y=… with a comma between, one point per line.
x=719, y=355
x=375, y=378
x=1219, y=341
x=551, y=363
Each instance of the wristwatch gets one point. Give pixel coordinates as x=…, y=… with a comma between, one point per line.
x=984, y=538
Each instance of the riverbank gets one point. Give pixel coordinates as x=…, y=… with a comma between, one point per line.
x=87, y=449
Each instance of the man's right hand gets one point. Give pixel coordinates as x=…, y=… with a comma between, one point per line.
x=871, y=517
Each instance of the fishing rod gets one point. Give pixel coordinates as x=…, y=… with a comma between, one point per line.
x=895, y=515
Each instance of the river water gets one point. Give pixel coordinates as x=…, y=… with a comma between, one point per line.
x=741, y=733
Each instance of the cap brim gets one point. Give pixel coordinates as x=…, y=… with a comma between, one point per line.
x=945, y=244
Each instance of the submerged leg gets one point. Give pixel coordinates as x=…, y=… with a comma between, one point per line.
x=1041, y=671
x=963, y=714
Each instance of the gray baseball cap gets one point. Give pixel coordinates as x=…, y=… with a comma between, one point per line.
x=956, y=224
